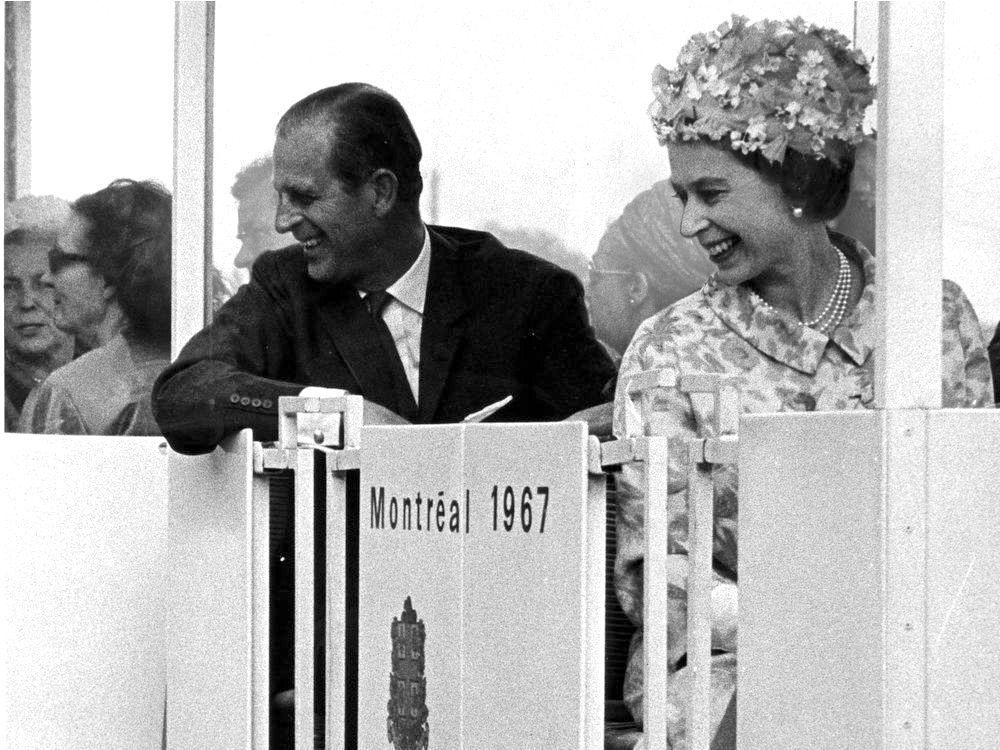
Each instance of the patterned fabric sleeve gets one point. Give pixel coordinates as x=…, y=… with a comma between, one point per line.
x=966, y=380
x=50, y=410
x=653, y=348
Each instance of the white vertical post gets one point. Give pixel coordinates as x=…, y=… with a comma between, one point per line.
x=701, y=514
x=261, y=606
x=909, y=200
x=908, y=343
x=17, y=172
x=351, y=421
x=866, y=27
x=336, y=607
x=305, y=586
x=192, y=233
x=655, y=594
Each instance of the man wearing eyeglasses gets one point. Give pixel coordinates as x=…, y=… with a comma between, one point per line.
x=429, y=323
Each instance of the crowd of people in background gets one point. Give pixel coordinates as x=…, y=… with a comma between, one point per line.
x=89, y=294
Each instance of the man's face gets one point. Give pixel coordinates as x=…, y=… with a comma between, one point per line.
x=338, y=227
x=28, y=299
x=256, y=225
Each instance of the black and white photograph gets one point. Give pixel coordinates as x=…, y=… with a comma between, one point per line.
x=440, y=376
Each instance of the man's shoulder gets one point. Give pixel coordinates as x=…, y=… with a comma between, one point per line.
x=288, y=262
x=485, y=254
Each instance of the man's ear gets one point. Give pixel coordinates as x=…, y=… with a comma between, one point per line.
x=638, y=288
x=385, y=188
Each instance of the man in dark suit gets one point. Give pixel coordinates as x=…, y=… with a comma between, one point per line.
x=466, y=321
x=458, y=320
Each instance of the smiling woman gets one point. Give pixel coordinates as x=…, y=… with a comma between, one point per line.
x=761, y=123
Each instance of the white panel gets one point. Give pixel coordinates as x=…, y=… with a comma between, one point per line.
x=810, y=629
x=525, y=608
x=211, y=613
x=512, y=611
x=963, y=587
x=84, y=530
x=404, y=553
x=904, y=467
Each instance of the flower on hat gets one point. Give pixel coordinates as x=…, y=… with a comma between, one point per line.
x=766, y=87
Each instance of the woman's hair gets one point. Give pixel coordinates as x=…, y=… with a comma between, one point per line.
x=129, y=242
x=819, y=186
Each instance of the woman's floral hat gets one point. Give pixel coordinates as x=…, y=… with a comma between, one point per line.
x=766, y=87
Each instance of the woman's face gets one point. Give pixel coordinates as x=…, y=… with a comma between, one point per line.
x=81, y=294
x=742, y=221
x=27, y=319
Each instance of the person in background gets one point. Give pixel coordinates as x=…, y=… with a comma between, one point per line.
x=641, y=266
x=110, y=269
x=33, y=346
x=761, y=123
x=256, y=203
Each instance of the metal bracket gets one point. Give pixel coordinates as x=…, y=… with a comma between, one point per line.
x=725, y=393
x=269, y=458
x=721, y=450
x=336, y=417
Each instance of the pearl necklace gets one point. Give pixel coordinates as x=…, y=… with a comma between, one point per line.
x=836, y=307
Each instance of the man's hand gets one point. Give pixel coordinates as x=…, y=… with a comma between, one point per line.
x=598, y=419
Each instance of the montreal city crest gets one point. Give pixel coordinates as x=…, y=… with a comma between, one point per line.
x=407, y=721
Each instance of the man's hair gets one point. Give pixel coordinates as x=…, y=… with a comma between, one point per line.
x=129, y=243
x=371, y=131
x=252, y=176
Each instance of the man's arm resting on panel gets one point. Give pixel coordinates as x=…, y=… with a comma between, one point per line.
x=570, y=367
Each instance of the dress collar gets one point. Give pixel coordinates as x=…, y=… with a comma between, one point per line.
x=779, y=335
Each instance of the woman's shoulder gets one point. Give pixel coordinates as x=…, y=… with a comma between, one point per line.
x=93, y=366
x=689, y=312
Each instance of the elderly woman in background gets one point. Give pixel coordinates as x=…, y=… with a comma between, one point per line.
x=33, y=346
x=110, y=268
x=641, y=266
x=761, y=123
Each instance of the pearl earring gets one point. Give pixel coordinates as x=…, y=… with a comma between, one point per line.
x=797, y=212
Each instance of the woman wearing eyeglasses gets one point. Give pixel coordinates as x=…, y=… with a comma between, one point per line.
x=110, y=270
x=641, y=266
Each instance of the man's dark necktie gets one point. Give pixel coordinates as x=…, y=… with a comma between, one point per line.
x=405, y=405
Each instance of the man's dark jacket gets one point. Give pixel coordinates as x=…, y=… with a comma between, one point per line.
x=496, y=322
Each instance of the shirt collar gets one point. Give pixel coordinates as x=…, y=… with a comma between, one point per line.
x=411, y=288
x=779, y=335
